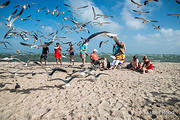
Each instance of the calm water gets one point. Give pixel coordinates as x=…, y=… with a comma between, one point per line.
x=153, y=58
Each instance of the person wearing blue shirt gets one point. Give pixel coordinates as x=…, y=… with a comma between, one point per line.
x=83, y=49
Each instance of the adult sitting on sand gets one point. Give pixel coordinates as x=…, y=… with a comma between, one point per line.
x=147, y=65
x=57, y=53
x=83, y=49
x=134, y=64
x=95, y=58
x=118, y=60
x=45, y=51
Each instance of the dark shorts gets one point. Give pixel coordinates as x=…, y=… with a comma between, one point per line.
x=44, y=56
x=71, y=53
x=97, y=62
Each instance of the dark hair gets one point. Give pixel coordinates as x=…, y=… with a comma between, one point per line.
x=145, y=58
x=57, y=43
x=134, y=57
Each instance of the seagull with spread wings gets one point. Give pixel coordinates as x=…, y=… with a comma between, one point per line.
x=176, y=14
x=76, y=8
x=138, y=4
x=141, y=12
x=156, y=27
x=145, y=20
x=101, y=23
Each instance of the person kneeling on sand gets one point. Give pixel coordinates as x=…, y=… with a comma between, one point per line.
x=147, y=65
x=119, y=60
x=134, y=64
x=95, y=58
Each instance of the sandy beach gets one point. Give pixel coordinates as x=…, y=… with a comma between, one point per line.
x=121, y=95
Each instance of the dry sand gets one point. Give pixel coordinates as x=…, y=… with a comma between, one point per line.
x=123, y=95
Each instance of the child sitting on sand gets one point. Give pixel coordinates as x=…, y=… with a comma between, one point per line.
x=134, y=64
x=147, y=65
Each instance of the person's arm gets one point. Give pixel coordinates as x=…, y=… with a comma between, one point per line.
x=48, y=50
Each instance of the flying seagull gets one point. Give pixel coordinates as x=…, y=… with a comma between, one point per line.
x=145, y=20
x=147, y=1
x=76, y=8
x=94, y=13
x=11, y=22
x=156, y=27
x=141, y=12
x=4, y=4
x=138, y=4
x=177, y=14
x=101, y=23
x=100, y=44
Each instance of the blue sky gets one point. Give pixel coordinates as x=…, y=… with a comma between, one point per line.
x=140, y=38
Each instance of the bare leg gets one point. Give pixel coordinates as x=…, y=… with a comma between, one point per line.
x=60, y=61
x=45, y=62
x=57, y=60
x=41, y=60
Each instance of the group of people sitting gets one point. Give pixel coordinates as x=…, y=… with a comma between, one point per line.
x=147, y=66
x=119, y=57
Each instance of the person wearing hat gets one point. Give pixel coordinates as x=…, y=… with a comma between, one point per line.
x=45, y=51
x=147, y=65
x=95, y=58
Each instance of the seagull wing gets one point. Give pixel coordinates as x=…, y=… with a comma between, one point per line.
x=139, y=5
x=95, y=34
x=67, y=5
x=100, y=44
x=12, y=15
x=140, y=18
x=82, y=7
x=4, y=4
x=10, y=23
x=25, y=44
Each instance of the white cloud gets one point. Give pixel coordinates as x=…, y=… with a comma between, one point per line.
x=166, y=40
x=86, y=15
x=127, y=16
x=47, y=29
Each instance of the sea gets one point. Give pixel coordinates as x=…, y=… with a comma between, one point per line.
x=50, y=58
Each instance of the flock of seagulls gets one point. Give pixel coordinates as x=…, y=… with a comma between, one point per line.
x=144, y=20
x=37, y=35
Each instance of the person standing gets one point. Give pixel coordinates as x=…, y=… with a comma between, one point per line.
x=45, y=51
x=58, y=53
x=83, y=48
x=71, y=53
x=115, y=49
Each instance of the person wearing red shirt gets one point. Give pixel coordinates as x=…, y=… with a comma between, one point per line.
x=147, y=65
x=57, y=53
x=95, y=58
